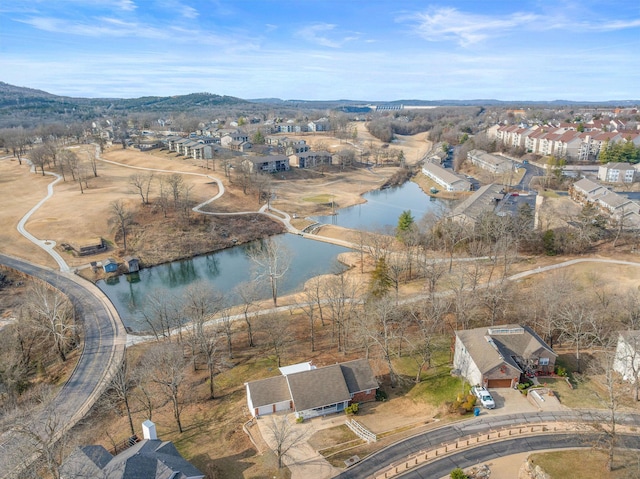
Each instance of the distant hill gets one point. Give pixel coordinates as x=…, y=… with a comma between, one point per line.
x=29, y=107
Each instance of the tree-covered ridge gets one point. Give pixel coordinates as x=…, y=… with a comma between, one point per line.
x=26, y=107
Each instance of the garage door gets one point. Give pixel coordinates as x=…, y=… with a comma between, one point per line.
x=499, y=383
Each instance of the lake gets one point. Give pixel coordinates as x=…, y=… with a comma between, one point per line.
x=383, y=208
x=226, y=269
x=223, y=270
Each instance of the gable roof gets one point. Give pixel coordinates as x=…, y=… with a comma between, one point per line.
x=314, y=388
x=148, y=459
x=269, y=391
x=484, y=199
x=358, y=375
x=318, y=387
x=493, y=347
x=445, y=175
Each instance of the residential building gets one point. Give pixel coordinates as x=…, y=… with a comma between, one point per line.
x=618, y=207
x=617, y=173
x=150, y=458
x=235, y=136
x=480, y=202
x=627, y=357
x=319, y=125
x=310, y=159
x=493, y=163
x=501, y=356
x=447, y=179
x=268, y=164
x=311, y=391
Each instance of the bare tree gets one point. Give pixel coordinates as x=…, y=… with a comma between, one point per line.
x=248, y=292
x=209, y=344
x=168, y=372
x=39, y=157
x=200, y=303
x=162, y=312
x=141, y=183
x=52, y=313
x=611, y=399
x=340, y=295
x=277, y=334
x=382, y=321
x=428, y=337
x=92, y=156
x=271, y=260
x=226, y=323
x=284, y=437
x=122, y=385
x=122, y=218
x=176, y=183
x=576, y=323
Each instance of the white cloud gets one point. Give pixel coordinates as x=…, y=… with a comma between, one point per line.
x=127, y=5
x=466, y=28
x=318, y=35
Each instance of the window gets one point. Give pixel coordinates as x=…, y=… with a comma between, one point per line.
x=544, y=362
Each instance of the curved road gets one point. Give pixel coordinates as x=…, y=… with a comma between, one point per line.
x=477, y=455
x=104, y=344
x=450, y=433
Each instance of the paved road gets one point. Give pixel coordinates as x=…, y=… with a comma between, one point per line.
x=104, y=341
x=448, y=434
x=487, y=452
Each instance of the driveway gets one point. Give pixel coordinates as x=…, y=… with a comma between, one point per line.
x=512, y=401
x=303, y=461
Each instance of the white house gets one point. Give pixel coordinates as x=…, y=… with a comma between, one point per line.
x=627, y=358
x=311, y=391
x=447, y=179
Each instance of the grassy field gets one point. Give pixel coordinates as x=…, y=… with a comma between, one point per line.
x=586, y=464
x=322, y=199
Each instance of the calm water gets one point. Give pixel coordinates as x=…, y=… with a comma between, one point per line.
x=223, y=270
x=226, y=269
x=383, y=208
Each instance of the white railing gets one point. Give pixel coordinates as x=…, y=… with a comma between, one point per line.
x=360, y=431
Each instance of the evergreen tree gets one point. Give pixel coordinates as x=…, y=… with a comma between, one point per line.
x=380, y=280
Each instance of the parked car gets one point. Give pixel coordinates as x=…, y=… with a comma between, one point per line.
x=483, y=396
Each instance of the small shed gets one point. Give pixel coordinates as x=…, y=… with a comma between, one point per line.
x=110, y=265
x=133, y=264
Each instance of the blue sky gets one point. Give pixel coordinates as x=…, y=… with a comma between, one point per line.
x=322, y=50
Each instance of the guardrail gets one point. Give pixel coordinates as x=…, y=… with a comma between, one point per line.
x=468, y=443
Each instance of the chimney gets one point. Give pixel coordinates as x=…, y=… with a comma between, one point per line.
x=149, y=430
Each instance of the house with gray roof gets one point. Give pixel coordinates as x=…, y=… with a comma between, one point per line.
x=483, y=200
x=447, y=179
x=311, y=391
x=150, y=458
x=499, y=356
x=489, y=162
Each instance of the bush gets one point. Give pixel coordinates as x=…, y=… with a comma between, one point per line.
x=560, y=371
x=458, y=473
x=463, y=404
x=299, y=419
x=381, y=395
x=352, y=409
